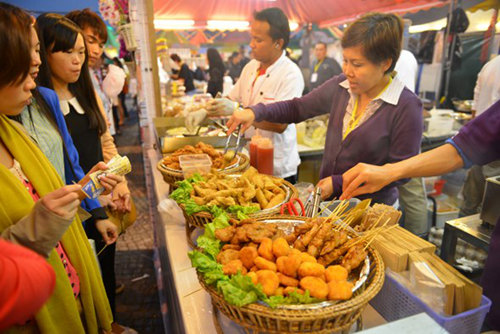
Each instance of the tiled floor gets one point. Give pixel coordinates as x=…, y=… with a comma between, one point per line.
x=138, y=306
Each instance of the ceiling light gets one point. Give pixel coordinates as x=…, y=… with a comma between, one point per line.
x=174, y=24
x=293, y=25
x=227, y=25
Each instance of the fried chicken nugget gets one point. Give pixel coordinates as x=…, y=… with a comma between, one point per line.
x=339, y=290
x=264, y=264
x=233, y=266
x=266, y=249
x=291, y=265
x=269, y=281
x=336, y=273
x=295, y=251
x=289, y=289
x=317, y=288
x=247, y=256
x=288, y=281
x=280, y=247
x=279, y=291
x=311, y=269
x=253, y=277
x=225, y=234
x=228, y=255
x=305, y=257
x=281, y=263
x=230, y=246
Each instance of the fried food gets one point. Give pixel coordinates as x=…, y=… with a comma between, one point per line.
x=269, y=281
x=288, y=281
x=354, y=257
x=218, y=161
x=230, y=246
x=289, y=289
x=225, y=234
x=291, y=265
x=337, y=239
x=278, y=199
x=233, y=267
x=316, y=287
x=247, y=256
x=305, y=257
x=319, y=239
x=339, y=290
x=336, y=273
x=280, y=247
x=279, y=291
x=227, y=256
x=254, y=269
x=258, y=231
x=264, y=264
x=311, y=269
x=253, y=277
x=266, y=249
x=263, y=201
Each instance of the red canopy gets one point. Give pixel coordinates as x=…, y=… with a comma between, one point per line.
x=321, y=12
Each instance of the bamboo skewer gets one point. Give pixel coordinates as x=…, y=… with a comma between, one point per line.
x=329, y=203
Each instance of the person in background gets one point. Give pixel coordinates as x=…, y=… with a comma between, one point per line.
x=96, y=34
x=271, y=76
x=243, y=56
x=36, y=209
x=216, y=70
x=184, y=74
x=119, y=101
x=486, y=92
x=478, y=142
x=27, y=281
x=373, y=117
x=64, y=68
x=235, y=67
x=323, y=67
x=412, y=196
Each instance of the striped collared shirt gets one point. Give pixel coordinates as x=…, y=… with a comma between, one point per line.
x=390, y=95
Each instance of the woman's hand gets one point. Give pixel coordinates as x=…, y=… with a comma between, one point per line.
x=108, y=181
x=108, y=230
x=64, y=201
x=326, y=186
x=365, y=179
x=121, y=200
x=240, y=116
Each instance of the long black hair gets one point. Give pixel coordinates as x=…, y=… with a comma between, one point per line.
x=215, y=60
x=58, y=33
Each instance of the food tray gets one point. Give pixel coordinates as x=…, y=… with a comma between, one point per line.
x=396, y=302
x=171, y=176
x=325, y=317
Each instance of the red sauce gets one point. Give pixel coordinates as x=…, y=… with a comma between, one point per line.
x=253, y=153
x=265, y=153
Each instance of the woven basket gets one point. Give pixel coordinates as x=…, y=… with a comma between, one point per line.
x=126, y=31
x=260, y=318
x=200, y=219
x=172, y=176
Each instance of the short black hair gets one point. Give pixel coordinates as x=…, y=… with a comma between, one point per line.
x=280, y=29
x=86, y=18
x=321, y=43
x=175, y=57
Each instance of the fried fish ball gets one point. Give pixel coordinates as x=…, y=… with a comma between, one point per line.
x=295, y=251
x=233, y=266
x=247, y=256
x=279, y=291
x=280, y=247
x=266, y=249
x=253, y=277
x=264, y=264
x=269, y=281
x=305, y=257
x=288, y=281
x=339, y=290
x=289, y=289
x=316, y=287
x=228, y=255
x=336, y=273
x=311, y=269
x=291, y=265
x=281, y=263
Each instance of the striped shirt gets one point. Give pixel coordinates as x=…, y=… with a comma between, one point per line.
x=390, y=95
x=46, y=135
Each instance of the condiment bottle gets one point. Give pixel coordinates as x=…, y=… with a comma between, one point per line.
x=254, y=143
x=265, y=153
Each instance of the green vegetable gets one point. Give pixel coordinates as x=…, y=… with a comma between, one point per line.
x=239, y=290
x=242, y=212
x=292, y=298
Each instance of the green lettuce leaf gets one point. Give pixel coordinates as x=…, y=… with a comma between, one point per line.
x=292, y=298
x=239, y=290
x=242, y=212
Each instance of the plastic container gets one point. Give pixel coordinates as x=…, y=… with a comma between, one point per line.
x=352, y=203
x=445, y=211
x=395, y=302
x=194, y=163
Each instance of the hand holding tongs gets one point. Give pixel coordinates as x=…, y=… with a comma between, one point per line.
x=312, y=204
x=238, y=146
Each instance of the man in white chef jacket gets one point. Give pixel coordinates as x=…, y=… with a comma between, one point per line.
x=269, y=77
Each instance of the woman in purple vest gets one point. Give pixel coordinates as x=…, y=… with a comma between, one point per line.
x=373, y=117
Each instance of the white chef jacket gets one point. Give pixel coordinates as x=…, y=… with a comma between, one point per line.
x=487, y=90
x=282, y=81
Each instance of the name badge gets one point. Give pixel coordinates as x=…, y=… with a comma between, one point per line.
x=314, y=77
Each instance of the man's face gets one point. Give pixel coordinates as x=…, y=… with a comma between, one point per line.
x=263, y=46
x=320, y=51
x=95, y=45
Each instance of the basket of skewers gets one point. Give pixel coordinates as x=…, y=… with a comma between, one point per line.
x=227, y=163
x=288, y=274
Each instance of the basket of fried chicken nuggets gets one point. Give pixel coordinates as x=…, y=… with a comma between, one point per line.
x=263, y=192
x=286, y=255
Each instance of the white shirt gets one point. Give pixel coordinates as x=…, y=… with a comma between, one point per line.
x=282, y=81
x=487, y=90
x=407, y=68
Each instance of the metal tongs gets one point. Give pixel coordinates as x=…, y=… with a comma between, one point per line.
x=238, y=147
x=313, y=201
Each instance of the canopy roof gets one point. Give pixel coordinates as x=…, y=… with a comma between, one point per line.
x=321, y=12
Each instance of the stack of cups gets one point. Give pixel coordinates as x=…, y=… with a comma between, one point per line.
x=262, y=154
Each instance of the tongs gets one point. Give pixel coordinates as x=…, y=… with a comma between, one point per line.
x=313, y=201
x=238, y=146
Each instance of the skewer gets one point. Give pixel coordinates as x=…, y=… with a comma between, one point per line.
x=385, y=230
x=329, y=203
